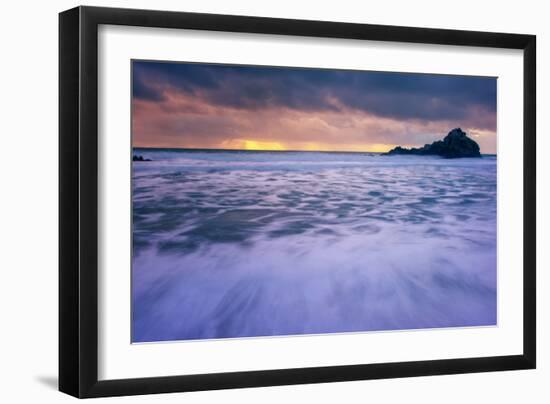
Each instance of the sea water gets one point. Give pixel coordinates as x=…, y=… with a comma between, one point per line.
x=242, y=243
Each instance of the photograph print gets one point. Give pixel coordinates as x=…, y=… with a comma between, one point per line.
x=277, y=201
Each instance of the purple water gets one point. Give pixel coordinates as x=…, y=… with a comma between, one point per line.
x=243, y=244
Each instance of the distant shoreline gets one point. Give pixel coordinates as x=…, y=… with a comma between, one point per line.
x=184, y=149
x=250, y=150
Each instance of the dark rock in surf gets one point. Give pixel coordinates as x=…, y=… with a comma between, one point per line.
x=139, y=158
x=456, y=144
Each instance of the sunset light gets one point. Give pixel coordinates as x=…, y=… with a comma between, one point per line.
x=259, y=145
x=280, y=201
x=206, y=106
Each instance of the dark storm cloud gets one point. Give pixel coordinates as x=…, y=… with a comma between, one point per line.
x=394, y=95
x=143, y=91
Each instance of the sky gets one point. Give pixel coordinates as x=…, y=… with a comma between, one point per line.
x=196, y=105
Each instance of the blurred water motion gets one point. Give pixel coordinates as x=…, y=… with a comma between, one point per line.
x=238, y=244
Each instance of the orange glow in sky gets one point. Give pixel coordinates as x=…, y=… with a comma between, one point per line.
x=255, y=108
x=264, y=145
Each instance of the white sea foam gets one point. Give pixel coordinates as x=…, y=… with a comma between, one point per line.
x=231, y=244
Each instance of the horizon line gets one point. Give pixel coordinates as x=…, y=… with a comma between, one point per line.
x=273, y=150
x=259, y=150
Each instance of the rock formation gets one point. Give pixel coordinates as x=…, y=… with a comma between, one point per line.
x=456, y=144
x=139, y=158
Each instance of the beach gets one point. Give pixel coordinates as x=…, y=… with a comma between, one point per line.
x=231, y=244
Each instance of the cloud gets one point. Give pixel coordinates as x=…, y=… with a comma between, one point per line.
x=396, y=95
x=209, y=104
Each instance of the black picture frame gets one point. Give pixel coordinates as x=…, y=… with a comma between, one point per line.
x=78, y=201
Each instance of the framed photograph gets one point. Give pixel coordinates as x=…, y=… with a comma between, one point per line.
x=251, y=201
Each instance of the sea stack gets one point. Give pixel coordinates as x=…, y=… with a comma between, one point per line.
x=139, y=158
x=455, y=145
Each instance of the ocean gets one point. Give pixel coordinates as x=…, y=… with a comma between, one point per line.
x=230, y=244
